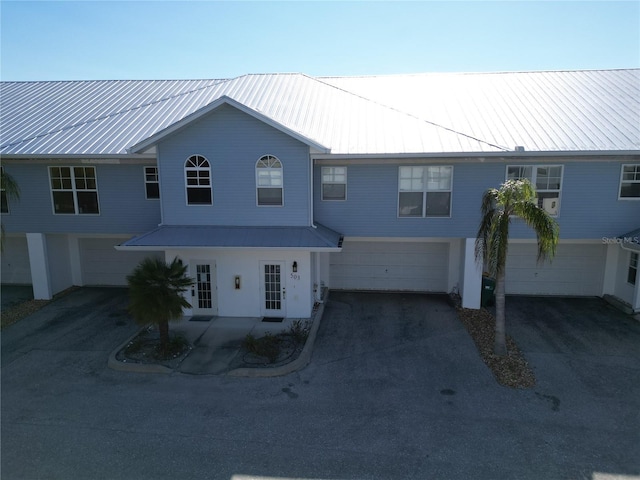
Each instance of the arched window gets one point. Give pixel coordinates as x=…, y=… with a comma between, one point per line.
x=269, y=181
x=197, y=174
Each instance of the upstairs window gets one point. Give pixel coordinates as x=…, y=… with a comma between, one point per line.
x=334, y=183
x=197, y=173
x=424, y=191
x=269, y=181
x=74, y=190
x=630, y=182
x=547, y=179
x=151, y=183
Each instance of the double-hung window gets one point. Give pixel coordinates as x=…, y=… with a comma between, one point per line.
x=547, y=179
x=269, y=181
x=632, y=273
x=334, y=183
x=424, y=191
x=197, y=173
x=151, y=183
x=630, y=182
x=74, y=190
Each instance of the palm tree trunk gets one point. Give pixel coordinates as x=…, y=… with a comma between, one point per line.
x=163, y=328
x=500, y=343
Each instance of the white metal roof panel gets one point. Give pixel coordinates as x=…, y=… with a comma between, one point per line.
x=542, y=111
x=320, y=238
x=396, y=114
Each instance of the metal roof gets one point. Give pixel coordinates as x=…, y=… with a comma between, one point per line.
x=541, y=111
x=317, y=238
x=596, y=110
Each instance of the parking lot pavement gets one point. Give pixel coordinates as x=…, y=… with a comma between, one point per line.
x=395, y=390
x=12, y=295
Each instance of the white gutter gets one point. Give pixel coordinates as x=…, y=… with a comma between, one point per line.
x=479, y=155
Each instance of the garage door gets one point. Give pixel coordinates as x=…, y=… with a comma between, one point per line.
x=403, y=266
x=104, y=265
x=15, y=261
x=577, y=269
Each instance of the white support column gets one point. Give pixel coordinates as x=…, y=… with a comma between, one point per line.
x=472, y=281
x=318, y=278
x=37, y=245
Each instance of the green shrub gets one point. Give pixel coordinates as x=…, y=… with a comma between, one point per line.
x=299, y=330
x=267, y=346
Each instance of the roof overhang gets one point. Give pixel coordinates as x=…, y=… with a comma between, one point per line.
x=581, y=155
x=630, y=240
x=315, y=238
x=145, y=145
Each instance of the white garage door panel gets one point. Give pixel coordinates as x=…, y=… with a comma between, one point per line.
x=102, y=264
x=15, y=261
x=410, y=266
x=577, y=269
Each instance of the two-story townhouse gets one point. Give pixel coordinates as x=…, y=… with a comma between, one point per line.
x=271, y=187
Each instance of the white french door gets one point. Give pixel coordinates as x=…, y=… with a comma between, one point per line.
x=273, y=289
x=203, y=291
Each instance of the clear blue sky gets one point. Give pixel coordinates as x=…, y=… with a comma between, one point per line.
x=56, y=40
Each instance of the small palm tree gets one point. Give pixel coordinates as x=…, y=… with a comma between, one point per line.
x=10, y=190
x=513, y=198
x=156, y=289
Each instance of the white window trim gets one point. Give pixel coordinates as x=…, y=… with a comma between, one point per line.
x=323, y=183
x=74, y=190
x=636, y=267
x=186, y=182
x=627, y=181
x=281, y=187
x=424, y=197
x=534, y=175
x=144, y=172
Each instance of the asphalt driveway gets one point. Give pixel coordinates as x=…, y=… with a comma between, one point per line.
x=395, y=390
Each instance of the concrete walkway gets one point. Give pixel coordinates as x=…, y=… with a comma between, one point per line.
x=218, y=341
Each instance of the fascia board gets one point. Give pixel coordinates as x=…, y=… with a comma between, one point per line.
x=145, y=248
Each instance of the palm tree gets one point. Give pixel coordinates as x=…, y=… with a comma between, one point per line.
x=9, y=189
x=156, y=289
x=515, y=198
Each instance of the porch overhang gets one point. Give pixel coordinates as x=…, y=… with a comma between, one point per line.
x=315, y=238
x=630, y=240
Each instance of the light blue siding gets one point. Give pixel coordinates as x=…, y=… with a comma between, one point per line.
x=233, y=141
x=589, y=208
x=121, y=195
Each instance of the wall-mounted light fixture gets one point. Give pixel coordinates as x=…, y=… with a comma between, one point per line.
x=295, y=267
x=236, y=282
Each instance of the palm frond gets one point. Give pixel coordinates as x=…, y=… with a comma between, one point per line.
x=546, y=228
x=155, y=290
x=9, y=185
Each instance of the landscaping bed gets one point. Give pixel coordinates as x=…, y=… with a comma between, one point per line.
x=511, y=370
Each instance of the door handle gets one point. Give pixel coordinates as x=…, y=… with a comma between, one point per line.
x=284, y=293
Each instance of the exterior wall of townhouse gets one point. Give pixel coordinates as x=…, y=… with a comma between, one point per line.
x=232, y=142
x=249, y=299
x=123, y=207
x=589, y=204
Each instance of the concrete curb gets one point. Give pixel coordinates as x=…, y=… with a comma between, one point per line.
x=116, y=364
x=299, y=363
